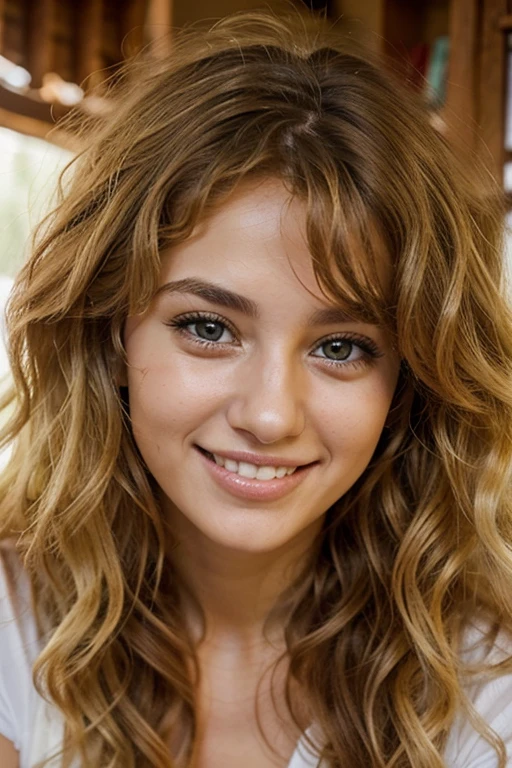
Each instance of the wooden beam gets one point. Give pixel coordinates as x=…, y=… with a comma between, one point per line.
x=2, y=11
x=159, y=20
x=132, y=26
x=89, y=36
x=460, y=113
x=26, y=106
x=39, y=39
x=492, y=85
x=31, y=126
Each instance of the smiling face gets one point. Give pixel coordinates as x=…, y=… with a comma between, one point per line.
x=236, y=358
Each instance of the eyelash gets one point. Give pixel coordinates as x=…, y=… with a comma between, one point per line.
x=368, y=347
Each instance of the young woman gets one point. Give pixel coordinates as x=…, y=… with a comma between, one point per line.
x=258, y=506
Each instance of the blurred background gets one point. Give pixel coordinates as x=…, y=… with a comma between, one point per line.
x=55, y=55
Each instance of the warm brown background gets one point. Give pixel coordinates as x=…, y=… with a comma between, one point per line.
x=79, y=39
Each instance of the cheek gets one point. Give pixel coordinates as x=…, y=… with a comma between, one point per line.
x=354, y=422
x=159, y=402
x=169, y=398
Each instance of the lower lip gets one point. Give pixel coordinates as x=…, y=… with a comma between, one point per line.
x=249, y=488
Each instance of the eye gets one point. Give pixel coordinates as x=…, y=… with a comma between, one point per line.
x=203, y=329
x=337, y=349
x=209, y=330
x=347, y=350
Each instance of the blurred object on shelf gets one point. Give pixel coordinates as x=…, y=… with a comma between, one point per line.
x=426, y=69
x=13, y=76
x=437, y=72
x=56, y=90
x=417, y=62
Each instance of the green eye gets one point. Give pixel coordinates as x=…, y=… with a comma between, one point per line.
x=209, y=330
x=202, y=329
x=338, y=349
x=352, y=349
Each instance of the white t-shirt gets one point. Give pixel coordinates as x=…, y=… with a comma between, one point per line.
x=36, y=728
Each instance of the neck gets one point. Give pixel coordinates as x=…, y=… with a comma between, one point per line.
x=235, y=589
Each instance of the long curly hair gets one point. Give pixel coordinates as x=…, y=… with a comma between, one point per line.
x=417, y=549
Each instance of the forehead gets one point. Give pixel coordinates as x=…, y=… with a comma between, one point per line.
x=257, y=236
x=258, y=232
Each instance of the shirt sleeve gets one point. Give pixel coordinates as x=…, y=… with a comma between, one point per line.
x=492, y=699
x=7, y=720
x=16, y=628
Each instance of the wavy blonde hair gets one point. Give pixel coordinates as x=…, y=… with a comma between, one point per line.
x=418, y=548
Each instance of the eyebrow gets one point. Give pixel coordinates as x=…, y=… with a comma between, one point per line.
x=216, y=294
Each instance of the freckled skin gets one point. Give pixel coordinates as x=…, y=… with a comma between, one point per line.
x=266, y=391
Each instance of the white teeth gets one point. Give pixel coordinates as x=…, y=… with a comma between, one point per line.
x=265, y=473
x=245, y=469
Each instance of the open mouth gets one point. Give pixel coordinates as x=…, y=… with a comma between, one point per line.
x=252, y=471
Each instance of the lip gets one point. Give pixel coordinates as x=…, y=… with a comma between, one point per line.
x=256, y=490
x=260, y=461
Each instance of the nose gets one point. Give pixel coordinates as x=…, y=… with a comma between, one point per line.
x=268, y=399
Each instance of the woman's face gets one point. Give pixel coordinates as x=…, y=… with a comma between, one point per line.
x=236, y=377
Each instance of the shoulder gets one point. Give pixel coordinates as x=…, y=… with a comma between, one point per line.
x=19, y=643
x=491, y=697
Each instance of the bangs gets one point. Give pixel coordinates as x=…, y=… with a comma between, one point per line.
x=352, y=264
x=350, y=258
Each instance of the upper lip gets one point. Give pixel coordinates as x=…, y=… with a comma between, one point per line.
x=254, y=458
